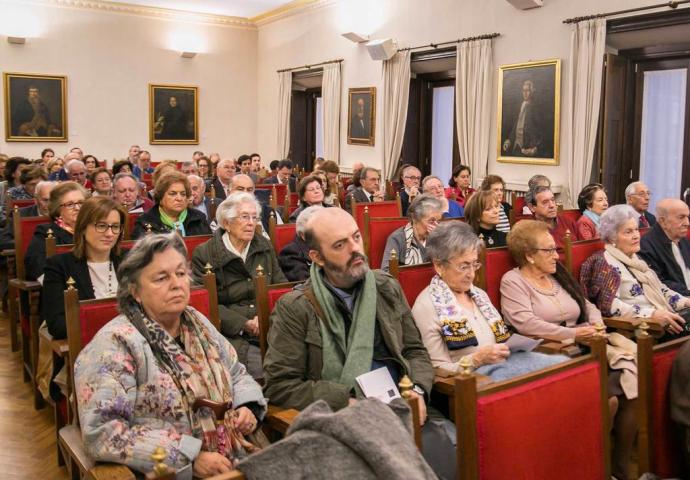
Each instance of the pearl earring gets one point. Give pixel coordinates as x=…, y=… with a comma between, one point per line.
x=531, y=261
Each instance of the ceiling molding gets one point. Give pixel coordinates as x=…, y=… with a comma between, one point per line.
x=295, y=7
x=155, y=12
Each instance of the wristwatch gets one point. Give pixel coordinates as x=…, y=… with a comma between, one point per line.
x=419, y=390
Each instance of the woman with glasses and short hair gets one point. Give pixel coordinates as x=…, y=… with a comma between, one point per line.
x=409, y=242
x=171, y=211
x=65, y=201
x=457, y=320
x=92, y=264
x=235, y=251
x=311, y=193
x=434, y=186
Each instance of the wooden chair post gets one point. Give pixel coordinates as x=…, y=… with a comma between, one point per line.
x=272, y=230
x=262, y=309
x=126, y=234
x=598, y=348
x=212, y=209
x=465, y=414
x=211, y=286
x=393, y=265
x=568, y=245
x=480, y=276
x=353, y=204
x=406, y=387
x=50, y=243
x=397, y=199
x=273, y=199
x=74, y=343
x=645, y=346
x=366, y=230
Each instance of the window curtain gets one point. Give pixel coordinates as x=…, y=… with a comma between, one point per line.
x=587, y=43
x=396, y=91
x=330, y=92
x=284, y=98
x=473, y=88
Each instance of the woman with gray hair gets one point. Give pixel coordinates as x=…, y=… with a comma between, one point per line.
x=620, y=283
x=138, y=380
x=409, y=242
x=457, y=320
x=235, y=251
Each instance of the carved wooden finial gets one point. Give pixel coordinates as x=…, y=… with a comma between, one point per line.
x=16, y=208
x=466, y=365
x=601, y=329
x=259, y=271
x=50, y=233
x=272, y=214
x=644, y=329
x=149, y=228
x=394, y=254
x=366, y=210
x=159, y=468
x=567, y=234
x=405, y=387
x=209, y=268
x=70, y=283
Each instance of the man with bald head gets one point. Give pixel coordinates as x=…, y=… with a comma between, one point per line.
x=666, y=248
x=637, y=195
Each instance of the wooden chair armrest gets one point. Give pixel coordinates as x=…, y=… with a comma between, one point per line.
x=280, y=419
x=25, y=285
x=60, y=347
x=234, y=475
x=632, y=324
x=446, y=385
x=110, y=471
x=10, y=252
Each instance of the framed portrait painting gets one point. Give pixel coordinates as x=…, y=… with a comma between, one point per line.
x=35, y=107
x=361, y=112
x=529, y=99
x=173, y=115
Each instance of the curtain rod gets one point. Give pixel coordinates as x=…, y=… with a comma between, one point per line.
x=670, y=4
x=312, y=65
x=460, y=40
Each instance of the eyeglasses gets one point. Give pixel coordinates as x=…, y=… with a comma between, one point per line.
x=247, y=218
x=642, y=194
x=72, y=205
x=466, y=267
x=548, y=251
x=412, y=178
x=102, y=227
x=432, y=221
x=372, y=179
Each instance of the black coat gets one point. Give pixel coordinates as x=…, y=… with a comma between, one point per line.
x=35, y=259
x=493, y=238
x=218, y=187
x=194, y=224
x=655, y=249
x=58, y=269
x=651, y=219
x=294, y=260
x=359, y=195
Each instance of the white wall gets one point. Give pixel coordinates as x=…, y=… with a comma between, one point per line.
x=315, y=36
x=109, y=60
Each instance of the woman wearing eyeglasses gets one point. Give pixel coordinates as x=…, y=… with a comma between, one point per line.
x=235, y=251
x=409, y=242
x=311, y=194
x=65, y=201
x=92, y=264
x=457, y=320
x=171, y=211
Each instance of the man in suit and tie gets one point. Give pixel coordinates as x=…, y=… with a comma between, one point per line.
x=225, y=170
x=637, y=195
x=284, y=176
x=201, y=202
x=369, y=191
x=411, y=177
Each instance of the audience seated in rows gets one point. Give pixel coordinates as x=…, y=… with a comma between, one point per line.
x=294, y=257
x=433, y=186
x=203, y=165
x=410, y=178
x=244, y=164
x=243, y=183
x=63, y=174
x=409, y=242
x=460, y=184
x=310, y=194
x=29, y=176
x=637, y=195
x=102, y=182
x=666, y=248
x=234, y=252
x=171, y=211
x=482, y=214
x=122, y=166
x=495, y=184
x=369, y=191
x=199, y=201
x=142, y=165
x=283, y=176
x=132, y=366
x=456, y=319
x=90, y=163
x=620, y=283
x=542, y=203
x=331, y=171
x=356, y=177
x=592, y=203
x=38, y=209
x=535, y=181
x=225, y=170
x=127, y=192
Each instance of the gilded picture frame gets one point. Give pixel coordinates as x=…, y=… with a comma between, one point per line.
x=173, y=114
x=529, y=100
x=361, y=115
x=35, y=107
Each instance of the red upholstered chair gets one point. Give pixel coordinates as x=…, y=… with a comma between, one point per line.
x=573, y=214
x=412, y=278
x=280, y=235
x=495, y=263
x=19, y=203
x=377, y=231
x=266, y=298
x=193, y=241
x=129, y=224
x=516, y=428
x=387, y=209
x=278, y=193
x=518, y=202
x=657, y=441
x=577, y=252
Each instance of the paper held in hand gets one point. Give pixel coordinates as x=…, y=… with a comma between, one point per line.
x=378, y=384
x=520, y=343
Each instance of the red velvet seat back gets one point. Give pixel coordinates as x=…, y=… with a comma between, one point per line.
x=131, y=220
x=199, y=299
x=498, y=262
x=28, y=226
x=379, y=231
x=63, y=248
x=581, y=251
x=415, y=278
x=281, y=191
x=274, y=295
x=19, y=203
x=573, y=214
x=522, y=434
x=519, y=204
x=284, y=235
x=387, y=209
x=294, y=201
x=519, y=216
x=665, y=445
x=194, y=241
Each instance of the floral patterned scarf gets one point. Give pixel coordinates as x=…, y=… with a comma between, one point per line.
x=199, y=374
x=413, y=255
x=455, y=326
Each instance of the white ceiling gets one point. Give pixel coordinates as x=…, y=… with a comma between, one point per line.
x=231, y=8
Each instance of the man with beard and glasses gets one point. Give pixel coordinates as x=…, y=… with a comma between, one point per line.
x=344, y=321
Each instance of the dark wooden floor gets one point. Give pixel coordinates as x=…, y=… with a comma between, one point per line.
x=27, y=436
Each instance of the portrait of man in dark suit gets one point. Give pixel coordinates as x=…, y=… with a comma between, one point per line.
x=173, y=115
x=34, y=108
x=528, y=112
x=362, y=106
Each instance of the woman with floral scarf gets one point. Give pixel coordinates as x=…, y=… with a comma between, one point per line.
x=141, y=380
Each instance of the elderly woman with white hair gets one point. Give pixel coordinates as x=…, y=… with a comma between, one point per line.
x=409, y=242
x=620, y=283
x=234, y=252
x=294, y=257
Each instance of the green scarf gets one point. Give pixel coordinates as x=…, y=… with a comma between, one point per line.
x=346, y=359
x=178, y=225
